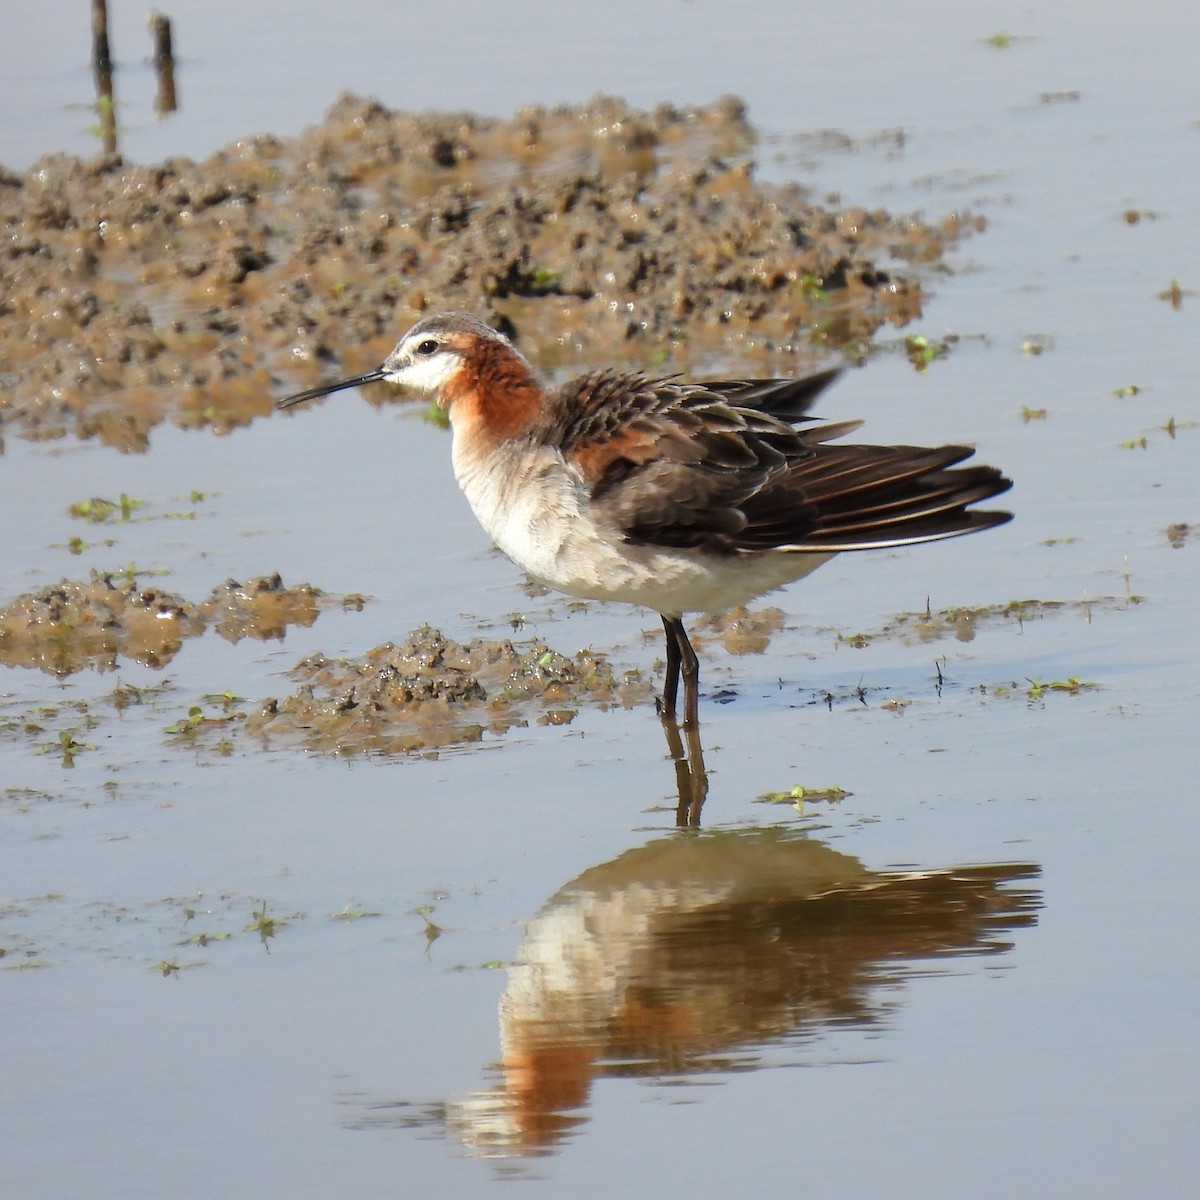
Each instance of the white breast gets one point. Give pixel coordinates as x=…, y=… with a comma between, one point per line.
x=535, y=508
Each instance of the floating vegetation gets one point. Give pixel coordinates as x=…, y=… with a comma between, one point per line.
x=962, y=623
x=799, y=795
x=98, y=510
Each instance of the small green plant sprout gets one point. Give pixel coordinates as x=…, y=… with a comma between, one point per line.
x=71, y=747
x=1037, y=689
x=797, y=796
x=196, y=721
x=165, y=967
x=98, y=510
x=921, y=351
x=266, y=927
x=126, y=695
x=44, y=712
x=1138, y=443
x=1032, y=414
x=95, y=509
x=433, y=931
x=1000, y=40
x=813, y=286
x=187, y=727
x=353, y=914
x=1124, y=393
x=205, y=939
x=131, y=571
x=1037, y=344
x=67, y=745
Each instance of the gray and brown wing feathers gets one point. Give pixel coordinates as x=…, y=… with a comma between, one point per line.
x=719, y=467
x=786, y=399
x=854, y=497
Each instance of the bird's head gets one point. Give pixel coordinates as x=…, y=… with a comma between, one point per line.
x=483, y=382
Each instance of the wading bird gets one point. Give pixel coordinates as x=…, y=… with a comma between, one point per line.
x=682, y=497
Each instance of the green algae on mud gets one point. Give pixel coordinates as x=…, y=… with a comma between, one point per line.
x=194, y=292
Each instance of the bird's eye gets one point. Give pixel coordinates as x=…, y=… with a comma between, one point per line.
x=428, y=346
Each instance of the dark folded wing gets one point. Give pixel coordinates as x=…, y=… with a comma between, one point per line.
x=853, y=497
x=717, y=466
x=755, y=488
x=591, y=410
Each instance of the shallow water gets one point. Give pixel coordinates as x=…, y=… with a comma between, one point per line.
x=503, y=964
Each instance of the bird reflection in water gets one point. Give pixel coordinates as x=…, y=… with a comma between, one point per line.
x=695, y=953
x=691, y=778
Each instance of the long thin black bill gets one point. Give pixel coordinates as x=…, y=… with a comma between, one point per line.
x=325, y=388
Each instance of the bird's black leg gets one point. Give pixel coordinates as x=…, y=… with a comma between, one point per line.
x=690, y=669
x=681, y=660
x=666, y=706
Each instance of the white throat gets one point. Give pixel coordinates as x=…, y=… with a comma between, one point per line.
x=424, y=374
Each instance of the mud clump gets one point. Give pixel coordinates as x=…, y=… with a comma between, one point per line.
x=199, y=292
x=1180, y=532
x=75, y=624
x=431, y=692
x=262, y=608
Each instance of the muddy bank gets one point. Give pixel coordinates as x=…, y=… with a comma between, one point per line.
x=197, y=292
x=431, y=691
x=426, y=693
x=74, y=625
